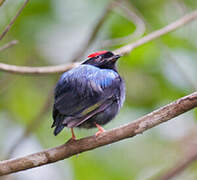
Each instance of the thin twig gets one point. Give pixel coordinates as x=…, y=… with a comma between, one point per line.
x=125, y=10
x=179, y=167
x=188, y=159
x=1, y=2
x=13, y=20
x=8, y=45
x=71, y=148
x=6, y=82
x=168, y=54
x=171, y=27
x=37, y=70
x=188, y=155
x=182, y=71
x=124, y=50
x=34, y=123
x=94, y=32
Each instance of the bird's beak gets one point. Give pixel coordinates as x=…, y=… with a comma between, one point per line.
x=115, y=58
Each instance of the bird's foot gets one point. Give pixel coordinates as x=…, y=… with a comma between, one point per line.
x=101, y=130
x=73, y=134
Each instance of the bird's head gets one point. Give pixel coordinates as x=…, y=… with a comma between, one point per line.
x=103, y=59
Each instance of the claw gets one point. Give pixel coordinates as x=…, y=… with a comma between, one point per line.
x=101, y=130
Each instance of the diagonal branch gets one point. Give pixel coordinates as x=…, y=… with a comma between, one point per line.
x=169, y=28
x=123, y=50
x=180, y=166
x=8, y=45
x=188, y=158
x=13, y=20
x=94, y=32
x=166, y=50
x=88, y=143
x=124, y=9
x=1, y=2
x=34, y=123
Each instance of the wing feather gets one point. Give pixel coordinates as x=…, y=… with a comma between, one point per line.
x=82, y=88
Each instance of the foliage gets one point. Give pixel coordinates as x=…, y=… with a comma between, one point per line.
x=45, y=31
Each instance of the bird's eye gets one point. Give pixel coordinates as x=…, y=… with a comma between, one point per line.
x=99, y=58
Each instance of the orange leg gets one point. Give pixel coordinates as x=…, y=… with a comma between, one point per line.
x=73, y=134
x=101, y=130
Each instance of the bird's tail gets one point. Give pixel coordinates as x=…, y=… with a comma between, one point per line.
x=58, y=129
x=58, y=124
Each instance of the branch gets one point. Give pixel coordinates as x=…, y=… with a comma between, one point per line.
x=75, y=147
x=177, y=65
x=126, y=11
x=8, y=45
x=6, y=83
x=1, y=2
x=13, y=20
x=171, y=27
x=190, y=157
x=94, y=31
x=166, y=50
x=169, y=55
x=124, y=50
x=37, y=70
x=180, y=166
x=34, y=123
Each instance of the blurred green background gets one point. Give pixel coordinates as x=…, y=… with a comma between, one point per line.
x=51, y=32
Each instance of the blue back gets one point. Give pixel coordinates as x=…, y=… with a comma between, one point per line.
x=84, y=86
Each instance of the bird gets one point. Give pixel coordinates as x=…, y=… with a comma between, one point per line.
x=89, y=95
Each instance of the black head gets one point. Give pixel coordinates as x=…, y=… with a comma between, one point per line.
x=103, y=59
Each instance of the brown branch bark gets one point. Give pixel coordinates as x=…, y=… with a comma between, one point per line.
x=123, y=50
x=13, y=20
x=88, y=143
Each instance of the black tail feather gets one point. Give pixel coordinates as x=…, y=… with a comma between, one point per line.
x=57, y=123
x=58, y=129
